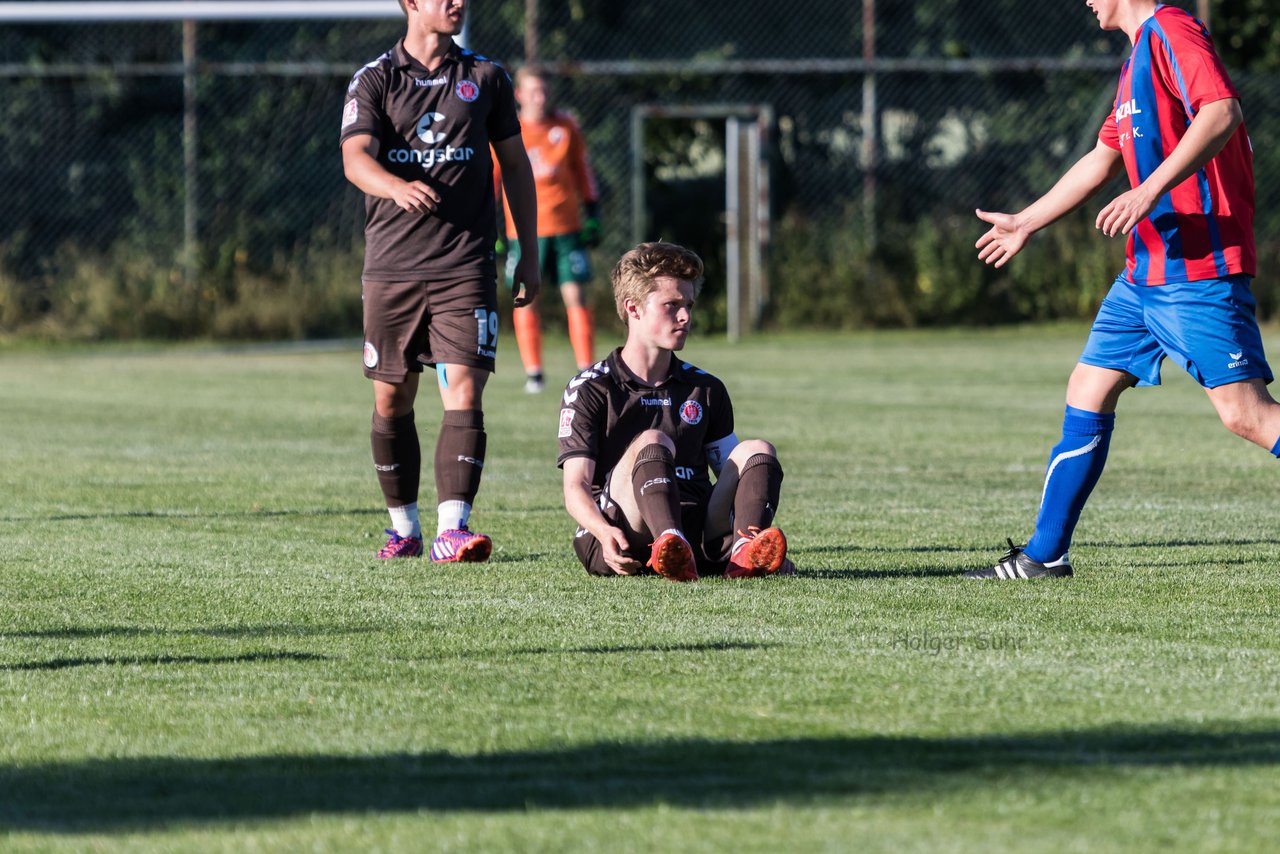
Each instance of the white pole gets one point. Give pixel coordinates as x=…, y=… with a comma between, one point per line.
x=195, y=10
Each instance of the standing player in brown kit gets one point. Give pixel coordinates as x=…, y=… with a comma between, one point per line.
x=638, y=432
x=416, y=134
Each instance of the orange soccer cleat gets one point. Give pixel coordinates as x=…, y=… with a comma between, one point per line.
x=757, y=553
x=672, y=558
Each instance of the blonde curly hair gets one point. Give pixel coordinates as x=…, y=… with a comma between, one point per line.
x=634, y=274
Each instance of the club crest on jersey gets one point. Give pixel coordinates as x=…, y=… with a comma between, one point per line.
x=370, y=355
x=566, y=423
x=691, y=412
x=467, y=90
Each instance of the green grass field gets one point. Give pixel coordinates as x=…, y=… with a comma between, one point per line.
x=199, y=652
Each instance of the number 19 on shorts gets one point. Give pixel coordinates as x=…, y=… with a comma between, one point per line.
x=487, y=333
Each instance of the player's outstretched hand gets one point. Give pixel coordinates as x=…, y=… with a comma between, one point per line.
x=1125, y=212
x=416, y=196
x=614, y=546
x=1003, y=240
x=525, y=280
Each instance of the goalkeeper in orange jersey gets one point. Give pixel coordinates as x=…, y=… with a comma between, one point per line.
x=566, y=188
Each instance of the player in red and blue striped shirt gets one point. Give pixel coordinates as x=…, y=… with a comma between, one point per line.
x=1178, y=132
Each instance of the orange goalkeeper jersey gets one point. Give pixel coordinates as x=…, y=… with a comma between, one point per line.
x=561, y=172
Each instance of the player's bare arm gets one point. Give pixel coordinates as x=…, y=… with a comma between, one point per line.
x=1010, y=232
x=360, y=165
x=522, y=200
x=578, y=473
x=1205, y=137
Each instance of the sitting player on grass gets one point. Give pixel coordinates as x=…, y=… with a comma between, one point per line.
x=638, y=433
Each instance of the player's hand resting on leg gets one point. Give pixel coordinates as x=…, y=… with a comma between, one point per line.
x=614, y=546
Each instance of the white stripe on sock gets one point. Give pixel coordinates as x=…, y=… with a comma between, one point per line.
x=1066, y=455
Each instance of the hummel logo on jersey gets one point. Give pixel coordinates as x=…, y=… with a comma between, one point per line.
x=438, y=81
x=472, y=460
x=655, y=401
x=657, y=481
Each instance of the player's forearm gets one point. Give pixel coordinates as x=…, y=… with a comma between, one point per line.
x=370, y=176
x=583, y=508
x=1086, y=177
x=522, y=203
x=1205, y=137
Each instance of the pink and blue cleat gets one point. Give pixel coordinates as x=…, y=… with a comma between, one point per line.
x=399, y=546
x=458, y=545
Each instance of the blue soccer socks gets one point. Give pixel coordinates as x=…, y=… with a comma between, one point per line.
x=1074, y=468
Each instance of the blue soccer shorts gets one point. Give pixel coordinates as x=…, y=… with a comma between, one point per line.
x=1208, y=327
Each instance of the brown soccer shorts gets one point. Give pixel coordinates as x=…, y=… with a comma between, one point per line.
x=411, y=324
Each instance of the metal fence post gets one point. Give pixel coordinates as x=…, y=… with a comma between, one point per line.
x=869, y=129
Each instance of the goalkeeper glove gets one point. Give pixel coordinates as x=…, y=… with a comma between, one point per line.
x=590, y=235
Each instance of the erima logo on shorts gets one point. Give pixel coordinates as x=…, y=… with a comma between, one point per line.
x=1236, y=360
x=654, y=482
x=370, y=355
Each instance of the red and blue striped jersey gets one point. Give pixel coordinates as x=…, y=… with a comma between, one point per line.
x=1202, y=228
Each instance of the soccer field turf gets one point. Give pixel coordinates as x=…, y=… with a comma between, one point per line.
x=199, y=652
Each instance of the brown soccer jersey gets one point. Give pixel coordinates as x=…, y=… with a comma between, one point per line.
x=606, y=406
x=434, y=126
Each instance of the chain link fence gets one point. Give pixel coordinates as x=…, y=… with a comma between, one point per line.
x=891, y=122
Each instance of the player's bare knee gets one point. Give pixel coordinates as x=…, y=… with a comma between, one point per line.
x=748, y=448
x=654, y=437
x=393, y=401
